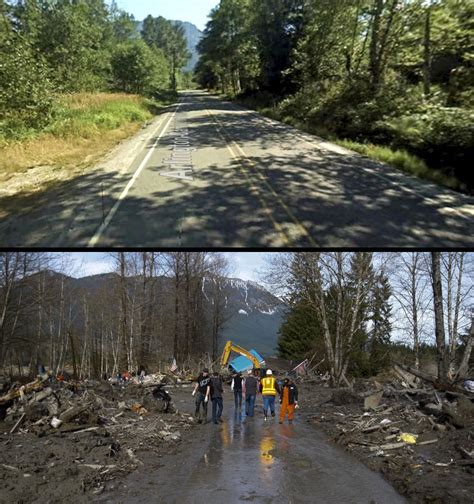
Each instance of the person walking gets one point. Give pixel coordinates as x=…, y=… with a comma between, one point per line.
x=288, y=400
x=200, y=391
x=269, y=389
x=250, y=390
x=236, y=386
x=215, y=391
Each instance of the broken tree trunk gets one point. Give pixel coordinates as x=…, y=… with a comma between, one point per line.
x=418, y=373
x=26, y=389
x=72, y=413
x=41, y=396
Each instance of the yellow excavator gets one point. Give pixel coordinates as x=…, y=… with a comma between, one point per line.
x=252, y=357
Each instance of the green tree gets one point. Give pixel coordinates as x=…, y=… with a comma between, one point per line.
x=170, y=38
x=380, y=317
x=300, y=333
x=138, y=69
x=26, y=90
x=75, y=38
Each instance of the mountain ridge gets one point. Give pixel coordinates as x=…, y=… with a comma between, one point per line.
x=253, y=314
x=193, y=36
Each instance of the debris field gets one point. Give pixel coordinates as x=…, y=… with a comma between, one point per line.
x=63, y=441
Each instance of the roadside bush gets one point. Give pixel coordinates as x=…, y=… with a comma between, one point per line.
x=26, y=93
x=444, y=137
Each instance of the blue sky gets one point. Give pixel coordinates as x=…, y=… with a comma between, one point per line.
x=194, y=11
x=244, y=265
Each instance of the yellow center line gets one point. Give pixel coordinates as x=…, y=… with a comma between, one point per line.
x=244, y=157
x=254, y=189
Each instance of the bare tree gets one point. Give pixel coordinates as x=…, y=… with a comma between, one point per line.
x=439, y=316
x=410, y=291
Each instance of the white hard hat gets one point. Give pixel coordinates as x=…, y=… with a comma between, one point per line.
x=269, y=372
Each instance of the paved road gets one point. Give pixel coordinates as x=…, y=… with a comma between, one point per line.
x=214, y=174
x=255, y=461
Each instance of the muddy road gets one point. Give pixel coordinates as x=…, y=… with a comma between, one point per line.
x=249, y=460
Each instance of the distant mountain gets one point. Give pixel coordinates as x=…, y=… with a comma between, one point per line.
x=193, y=36
x=254, y=316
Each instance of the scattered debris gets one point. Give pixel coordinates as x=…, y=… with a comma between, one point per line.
x=403, y=426
x=77, y=436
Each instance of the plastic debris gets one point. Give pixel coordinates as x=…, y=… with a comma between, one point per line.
x=408, y=438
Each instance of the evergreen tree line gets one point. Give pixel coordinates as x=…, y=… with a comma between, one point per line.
x=396, y=72
x=344, y=310
x=67, y=46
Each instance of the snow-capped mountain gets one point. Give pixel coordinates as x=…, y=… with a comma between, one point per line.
x=254, y=316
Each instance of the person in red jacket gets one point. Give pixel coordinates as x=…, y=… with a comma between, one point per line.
x=288, y=400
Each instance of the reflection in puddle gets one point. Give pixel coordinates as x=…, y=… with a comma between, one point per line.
x=267, y=444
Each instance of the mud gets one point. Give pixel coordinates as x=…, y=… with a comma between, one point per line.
x=136, y=456
x=76, y=462
x=249, y=460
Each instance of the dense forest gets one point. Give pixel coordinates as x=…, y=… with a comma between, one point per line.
x=357, y=313
x=396, y=73
x=51, y=49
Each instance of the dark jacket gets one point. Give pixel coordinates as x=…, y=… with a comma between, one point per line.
x=216, y=387
x=251, y=385
x=292, y=393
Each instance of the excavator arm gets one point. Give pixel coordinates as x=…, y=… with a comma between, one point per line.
x=231, y=347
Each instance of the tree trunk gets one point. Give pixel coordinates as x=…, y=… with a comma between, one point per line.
x=464, y=366
x=439, y=316
x=374, y=64
x=427, y=54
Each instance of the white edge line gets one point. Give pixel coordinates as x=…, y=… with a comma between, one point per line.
x=95, y=239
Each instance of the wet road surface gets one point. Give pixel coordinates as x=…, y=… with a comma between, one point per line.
x=214, y=174
x=261, y=462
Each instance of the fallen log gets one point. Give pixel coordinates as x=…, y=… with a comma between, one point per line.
x=25, y=389
x=72, y=413
x=419, y=374
x=41, y=396
x=432, y=379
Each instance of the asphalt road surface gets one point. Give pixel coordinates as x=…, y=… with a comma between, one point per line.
x=250, y=460
x=213, y=174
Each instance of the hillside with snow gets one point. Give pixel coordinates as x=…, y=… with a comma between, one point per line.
x=255, y=316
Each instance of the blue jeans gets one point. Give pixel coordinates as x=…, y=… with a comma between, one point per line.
x=268, y=403
x=238, y=399
x=201, y=400
x=217, y=407
x=249, y=404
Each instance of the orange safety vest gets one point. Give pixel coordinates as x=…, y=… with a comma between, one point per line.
x=268, y=386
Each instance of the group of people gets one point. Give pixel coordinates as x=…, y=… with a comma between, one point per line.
x=245, y=389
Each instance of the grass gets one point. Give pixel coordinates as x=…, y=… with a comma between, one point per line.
x=87, y=126
x=403, y=160
x=397, y=158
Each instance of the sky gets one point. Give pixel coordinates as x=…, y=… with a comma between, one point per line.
x=194, y=11
x=244, y=265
